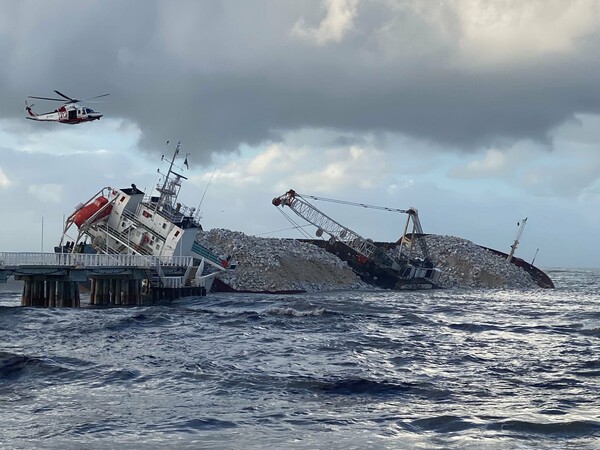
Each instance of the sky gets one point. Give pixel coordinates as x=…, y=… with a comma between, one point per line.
x=477, y=113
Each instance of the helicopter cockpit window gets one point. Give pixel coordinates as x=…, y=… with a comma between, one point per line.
x=88, y=110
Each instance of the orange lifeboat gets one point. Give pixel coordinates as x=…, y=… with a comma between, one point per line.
x=89, y=210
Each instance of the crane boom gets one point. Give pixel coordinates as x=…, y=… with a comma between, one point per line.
x=405, y=241
x=337, y=231
x=399, y=272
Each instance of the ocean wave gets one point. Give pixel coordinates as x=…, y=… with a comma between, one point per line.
x=590, y=328
x=442, y=424
x=15, y=366
x=407, y=319
x=141, y=320
x=452, y=369
x=367, y=387
x=9, y=310
x=574, y=428
x=119, y=376
x=474, y=327
x=193, y=425
x=282, y=311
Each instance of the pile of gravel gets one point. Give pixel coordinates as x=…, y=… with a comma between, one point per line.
x=465, y=264
x=268, y=264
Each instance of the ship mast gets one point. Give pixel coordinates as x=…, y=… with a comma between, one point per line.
x=169, y=190
x=513, y=247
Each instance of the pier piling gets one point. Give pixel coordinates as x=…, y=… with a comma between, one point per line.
x=49, y=292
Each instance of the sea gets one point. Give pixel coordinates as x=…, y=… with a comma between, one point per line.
x=376, y=369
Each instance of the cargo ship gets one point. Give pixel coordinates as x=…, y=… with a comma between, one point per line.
x=127, y=221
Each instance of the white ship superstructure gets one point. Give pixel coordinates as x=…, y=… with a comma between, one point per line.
x=126, y=221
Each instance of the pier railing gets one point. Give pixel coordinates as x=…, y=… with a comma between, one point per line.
x=82, y=260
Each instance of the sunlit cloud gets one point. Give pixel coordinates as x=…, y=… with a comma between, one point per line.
x=492, y=162
x=60, y=139
x=48, y=192
x=495, y=33
x=4, y=180
x=337, y=22
x=393, y=188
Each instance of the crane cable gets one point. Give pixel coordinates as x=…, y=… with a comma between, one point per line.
x=285, y=229
x=198, y=212
x=362, y=205
x=411, y=211
x=296, y=226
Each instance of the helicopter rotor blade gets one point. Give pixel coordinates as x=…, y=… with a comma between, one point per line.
x=47, y=98
x=96, y=96
x=72, y=100
x=68, y=99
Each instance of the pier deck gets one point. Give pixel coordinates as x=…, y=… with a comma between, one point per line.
x=52, y=279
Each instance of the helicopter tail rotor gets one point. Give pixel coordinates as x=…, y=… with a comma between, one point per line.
x=29, y=110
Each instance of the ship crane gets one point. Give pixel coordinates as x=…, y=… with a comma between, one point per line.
x=335, y=230
x=362, y=246
x=408, y=238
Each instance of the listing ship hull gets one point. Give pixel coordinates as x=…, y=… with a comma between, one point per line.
x=387, y=279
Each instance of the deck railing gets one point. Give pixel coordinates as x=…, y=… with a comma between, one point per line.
x=82, y=260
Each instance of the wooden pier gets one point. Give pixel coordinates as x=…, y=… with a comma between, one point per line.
x=52, y=280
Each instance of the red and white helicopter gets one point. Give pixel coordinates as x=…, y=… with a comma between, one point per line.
x=70, y=111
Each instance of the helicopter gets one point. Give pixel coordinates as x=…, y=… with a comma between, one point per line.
x=69, y=112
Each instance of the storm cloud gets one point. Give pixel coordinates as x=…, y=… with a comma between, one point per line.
x=222, y=74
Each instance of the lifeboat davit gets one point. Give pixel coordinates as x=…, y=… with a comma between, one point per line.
x=89, y=210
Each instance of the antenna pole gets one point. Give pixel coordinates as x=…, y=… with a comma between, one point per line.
x=42, y=234
x=171, y=165
x=535, y=256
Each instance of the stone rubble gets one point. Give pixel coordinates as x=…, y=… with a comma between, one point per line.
x=465, y=264
x=270, y=264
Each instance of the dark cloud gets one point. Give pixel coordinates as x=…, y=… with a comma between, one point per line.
x=218, y=74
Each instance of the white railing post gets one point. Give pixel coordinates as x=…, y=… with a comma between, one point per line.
x=91, y=260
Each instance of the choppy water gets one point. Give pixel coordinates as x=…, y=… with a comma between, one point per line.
x=445, y=369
